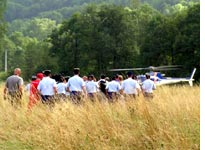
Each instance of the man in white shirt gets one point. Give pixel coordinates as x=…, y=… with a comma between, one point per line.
x=113, y=89
x=130, y=87
x=91, y=87
x=148, y=86
x=76, y=87
x=47, y=88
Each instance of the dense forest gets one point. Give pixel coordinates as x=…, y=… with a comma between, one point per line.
x=98, y=35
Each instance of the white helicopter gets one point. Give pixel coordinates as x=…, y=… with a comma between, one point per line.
x=159, y=78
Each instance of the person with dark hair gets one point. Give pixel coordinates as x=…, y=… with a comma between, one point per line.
x=61, y=88
x=91, y=87
x=113, y=89
x=130, y=87
x=14, y=88
x=148, y=86
x=28, y=86
x=34, y=96
x=76, y=87
x=47, y=88
x=102, y=83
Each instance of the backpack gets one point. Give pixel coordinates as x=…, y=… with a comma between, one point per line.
x=103, y=86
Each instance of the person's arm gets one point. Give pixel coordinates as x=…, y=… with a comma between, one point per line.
x=5, y=92
x=55, y=90
x=84, y=91
x=154, y=87
x=21, y=89
x=67, y=86
x=55, y=87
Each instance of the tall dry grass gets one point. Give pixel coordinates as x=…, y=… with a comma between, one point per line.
x=171, y=121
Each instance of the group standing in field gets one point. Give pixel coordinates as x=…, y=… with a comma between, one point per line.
x=48, y=90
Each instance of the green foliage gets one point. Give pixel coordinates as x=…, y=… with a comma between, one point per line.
x=96, y=40
x=187, y=42
x=173, y=40
x=99, y=35
x=35, y=28
x=22, y=9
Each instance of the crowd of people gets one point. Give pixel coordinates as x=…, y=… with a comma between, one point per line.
x=48, y=89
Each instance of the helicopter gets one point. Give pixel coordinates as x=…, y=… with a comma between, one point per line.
x=158, y=77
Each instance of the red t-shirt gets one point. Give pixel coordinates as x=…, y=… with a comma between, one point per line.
x=34, y=85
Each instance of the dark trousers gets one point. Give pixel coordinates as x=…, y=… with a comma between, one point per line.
x=148, y=95
x=48, y=99
x=113, y=96
x=76, y=97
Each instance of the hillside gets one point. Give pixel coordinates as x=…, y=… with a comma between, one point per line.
x=59, y=9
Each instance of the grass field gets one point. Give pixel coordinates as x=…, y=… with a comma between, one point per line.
x=171, y=121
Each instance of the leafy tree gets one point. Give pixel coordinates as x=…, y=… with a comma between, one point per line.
x=187, y=42
x=35, y=28
x=99, y=39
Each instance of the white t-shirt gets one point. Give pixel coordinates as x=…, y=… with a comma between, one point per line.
x=61, y=88
x=148, y=86
x=130, y=86
x=113, y=86
x=75, y=83
x=91, y=86
x=46, y=86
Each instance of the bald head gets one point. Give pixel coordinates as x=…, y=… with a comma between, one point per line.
x=17, y=71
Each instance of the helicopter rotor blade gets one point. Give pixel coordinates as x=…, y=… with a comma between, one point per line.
x=152, y=68
x=126, y=69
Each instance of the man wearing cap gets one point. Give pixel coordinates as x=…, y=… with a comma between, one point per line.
x=34, y=96
x=47, y=88
x=130, y=87
x=148, y=86
x=76, y=87
x=14, y=87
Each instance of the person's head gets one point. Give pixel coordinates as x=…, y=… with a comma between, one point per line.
x=76, y=71
x=85, y=78
x=17, y=71
x=129, y=74
x=114, y=78
x=67, y=78
x=107, y=78
x=39, y=76
x=33, y=78
x=47, y=73
x=62, y=79
x=120, y=78
x=90, y=77
x=117, y=77
x=147, y=76
x=102, y=76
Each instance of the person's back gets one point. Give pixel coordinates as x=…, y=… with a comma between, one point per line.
x=148, y=86
x=61, y=86
x=130, y=87
x=14, y=87
x=34, y=96
x=13, y=83
x=102, y=86
x=75, y=83
x=76, y=87
x=47, y=88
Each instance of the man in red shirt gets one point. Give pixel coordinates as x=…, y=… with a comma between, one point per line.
x=34, y=95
